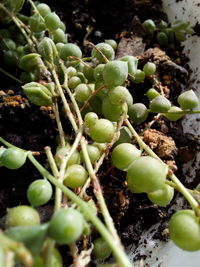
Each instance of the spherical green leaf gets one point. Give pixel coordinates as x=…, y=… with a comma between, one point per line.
x=188, y=100
x=184, y=229
x=163, y=196
x=123, y=155
x=101, y=249
x=160, y=104
x=52, y=21
x=39, y=192
x=75, y=176
x=70, y=50
x=22, y=216
x=13, y=158
x=66, y=226
x=107, y=51
x=102, y=131
x=146, y=174
x=138, y=112
x=115, y=73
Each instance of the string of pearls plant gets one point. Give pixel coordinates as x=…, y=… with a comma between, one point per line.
x=92, y=94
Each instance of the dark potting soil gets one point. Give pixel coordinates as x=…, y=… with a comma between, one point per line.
x=33, y=128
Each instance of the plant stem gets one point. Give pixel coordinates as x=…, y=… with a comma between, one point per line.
x=92, y=95
x=33, y=40
x=98, y=193
x=18, y=248
x=187, y=195
x=2, y=140
x=58, y=192
x=50, y=242
x=80, y=60
x=184, y=112
x=74, y=253
x=158, y=84
x=150, y=124
x=49, y=252
x=10, y=76
x=35, y=9
x=66, y=105
x=140, y=141
x=117, y=250
x=103, y=56
x=59, y=124
x=56, y=174
x=84, y=188
x=76, y=107
x=64, y=162
x=171, y=184
x=16, y=21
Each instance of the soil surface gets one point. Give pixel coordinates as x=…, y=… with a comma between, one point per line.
x=33, y=128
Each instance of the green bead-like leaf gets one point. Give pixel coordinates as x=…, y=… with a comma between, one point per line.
x=152, y=93
x=13, y=158
x=139, y=76
x=110, y=111
x=115, y=73
x=105, y=49
x=37, y=94
x=138, y=112
x=30, y=62
x=173, y=115
x=112, y=43
x=188, y=100
x=184, y=229
x=162, y=38
x=146, y=174
x=149, y=68
x=180, y=25
x=163, y=196
x=59, y=36
x=70, y=50
x=160, y=104
x=43, y=9
x=52, y=21
x=36, y=23
x=101, y=249
x=102, y=131
x=132, y=63
x=47, y=49
x=149, y=26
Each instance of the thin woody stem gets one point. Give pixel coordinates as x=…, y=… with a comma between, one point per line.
x=35, y=9
x=65, y=103
x=91, y=96
x=99, y=194
x=18, y=248
x=59, y=124
x=10, y=76
x=19, y=25
x=103, y=56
